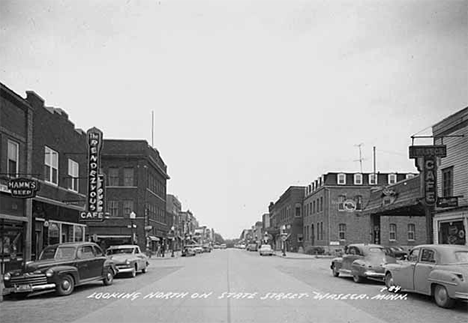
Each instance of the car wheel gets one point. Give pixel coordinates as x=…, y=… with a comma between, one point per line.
x=335, y=271
x=65, y=286
x=357, y=278
x=144, y=270
x=108, y=277
x=442, y=297
x=133, y=272
x=389, y=283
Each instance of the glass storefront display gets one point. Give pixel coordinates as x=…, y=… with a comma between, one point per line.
x=453, y=232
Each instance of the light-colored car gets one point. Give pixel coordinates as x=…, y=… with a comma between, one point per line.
x=440, y=271
x=265, y=250
x=128, y=259
x=362, y=261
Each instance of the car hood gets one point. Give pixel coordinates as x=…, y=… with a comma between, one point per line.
x=121, y=257
x=39, y=265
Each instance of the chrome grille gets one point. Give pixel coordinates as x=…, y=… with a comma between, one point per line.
x=36, y=279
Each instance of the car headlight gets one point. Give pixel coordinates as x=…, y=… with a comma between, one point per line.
x=127, y=262
x=7, y=276
x=49, y=272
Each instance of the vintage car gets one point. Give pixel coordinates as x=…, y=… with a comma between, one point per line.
x=265, y=249
x=61, y=267
x=128, y=259
x=362, y=261
x=206, y=248
x=396, y=252
x=440, y=271
x=252, y=247
x=188, y=252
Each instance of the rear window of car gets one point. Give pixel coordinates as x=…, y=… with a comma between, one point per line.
x=119, y=250
x=461, y=256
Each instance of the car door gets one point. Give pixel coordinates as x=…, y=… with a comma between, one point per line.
x=352, y=254
x=100, y=259
x=403, y=275
x=423, y=269
x=85, y=256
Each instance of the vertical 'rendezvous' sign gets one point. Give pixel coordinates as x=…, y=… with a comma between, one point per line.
x=95, y=201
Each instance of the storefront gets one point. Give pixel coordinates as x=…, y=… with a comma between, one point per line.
x=450, y=227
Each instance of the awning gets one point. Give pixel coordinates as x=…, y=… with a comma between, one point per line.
x=153, y=238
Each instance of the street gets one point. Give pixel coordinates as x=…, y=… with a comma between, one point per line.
x=232, y=285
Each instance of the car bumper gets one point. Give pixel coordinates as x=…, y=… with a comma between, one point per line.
x=28, y=288
x=121, y=270
x=373, y=274
x=460, y=295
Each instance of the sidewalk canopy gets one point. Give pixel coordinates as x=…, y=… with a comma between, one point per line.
x=153, y=238
x=401, y=199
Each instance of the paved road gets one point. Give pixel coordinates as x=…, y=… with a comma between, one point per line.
x=231, y=286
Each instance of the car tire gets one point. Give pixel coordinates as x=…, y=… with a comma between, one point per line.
x=108, y=277
x=65, y=286
x=389, y=283
x=143, y=270
x=335, y=271
x=357, y=278
x=442, y=298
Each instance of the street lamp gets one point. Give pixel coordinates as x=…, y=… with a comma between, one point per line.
x=283, y=240
x=173, y=236
x=132, y=217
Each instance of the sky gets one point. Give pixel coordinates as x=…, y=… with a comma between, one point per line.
x=249, y=97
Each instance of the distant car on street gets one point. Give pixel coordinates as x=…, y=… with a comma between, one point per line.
x=265, y=250
x=440, y=271
x=188, y=252
x=128, y=259
x=206, y=248
x=61, y=267
x=362, y=261
x=223, y=246
x=252, y=247
x=196, y=248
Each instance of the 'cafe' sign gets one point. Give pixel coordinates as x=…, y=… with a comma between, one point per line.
x=430, y=178
x=95, y=202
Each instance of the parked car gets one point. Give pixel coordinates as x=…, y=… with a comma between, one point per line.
x=128, y=259
x=61, y=267
x=265, y=249
x=195, y=247
x=223, y=246
x=396, y=252
x=206, y=248
x=252, y=247
x=188, y=252
x=362, y=261
x=440, y=271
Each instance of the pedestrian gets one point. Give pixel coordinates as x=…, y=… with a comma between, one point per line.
x=163, y=249
x=158, y=251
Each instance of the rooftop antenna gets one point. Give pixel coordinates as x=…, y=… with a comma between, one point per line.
x=360, y=155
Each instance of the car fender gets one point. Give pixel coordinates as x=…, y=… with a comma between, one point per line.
x=446, y=278
x=108, y=263
x=337, y=263
x=59, y=271
x=358, y=267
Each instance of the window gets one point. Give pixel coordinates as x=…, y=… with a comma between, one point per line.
x=428, y=255
x=342, y=179
x=411, y=229
x=128, y=177
x=51, y=166
x=298, y=210
x=79, y=231
x=321, y=230
x=342, y=231
x=357, y=179
x=13, y=158
x=414, y=255
x=358, y=200
x=127, y=207
x=313, y=207
x=392, y=179
x=409, y=176
x=318, y=231
x=392, y=231
x=372, y=179
x=447, y=182
x=341, y=199
x=113, y=176
x=85, y=252
x=113, y=208
x=73, y=172
x=321, y=203
x=312, y=233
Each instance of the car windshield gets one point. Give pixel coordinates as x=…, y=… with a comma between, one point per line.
x=375, y=251
x=58, y=253
x=119, y=251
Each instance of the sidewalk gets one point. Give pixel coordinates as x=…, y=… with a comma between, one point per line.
x=296, y=255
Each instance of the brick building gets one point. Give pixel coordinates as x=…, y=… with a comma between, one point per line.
x=136, y=179
x=333, y=208
x=174, y=208
x=286, y=216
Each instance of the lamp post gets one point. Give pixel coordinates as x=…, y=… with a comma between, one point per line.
x=173, y=236
x=283, y=240
x=132, y=217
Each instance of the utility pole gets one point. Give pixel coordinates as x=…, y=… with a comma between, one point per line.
x=360, y=155
x=375, y=163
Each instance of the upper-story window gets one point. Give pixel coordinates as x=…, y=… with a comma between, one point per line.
x=321, y=203
x=13, y=159
x=127, y=207
x=447, y=181
x=392, y=179
x=342, y=179
x=372, y=179
x=411, y=230
x=73, y=173
x=51, y=166
x=342, y=231
x=298, y=210
x=409, y=176
x=358, y=200
x=357, y=179
x=313, y=207
x=113, y=176
x=113, y=207
x=393, y=231
x=128, y=177
x=341, y=199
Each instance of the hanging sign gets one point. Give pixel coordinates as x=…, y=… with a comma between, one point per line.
x=23, y=187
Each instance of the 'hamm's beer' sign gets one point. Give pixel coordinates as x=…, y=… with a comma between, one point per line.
x=95, y=202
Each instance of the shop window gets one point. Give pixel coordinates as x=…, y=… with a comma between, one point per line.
x=51, y=166
x=54, y=232
x=341, y=179
x=411, y=230
x=341, y=199
x=342, y=231
x=392, y=179
x=128, y=177
x=113, y=176
x=73, y=173
x=357, y=179
x=393, y=232
x=372, y=179
x=79, y=232
x=447, y=182
x=13, y=159
x=67, y=233
x=11, y=241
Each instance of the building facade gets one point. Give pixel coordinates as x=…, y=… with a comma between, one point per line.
x=136, y=178
x=451, y=218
